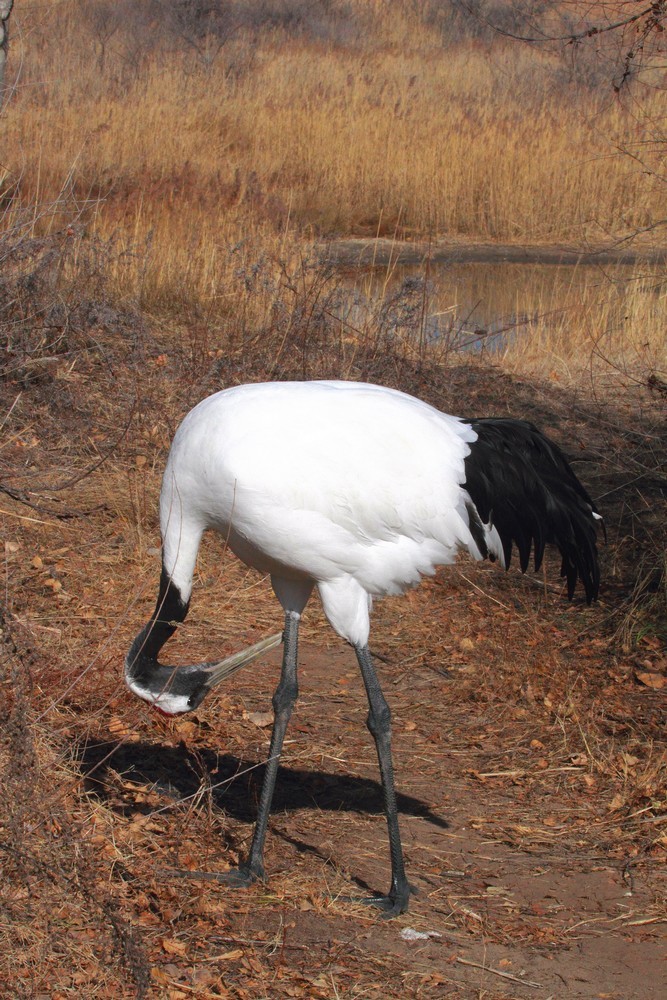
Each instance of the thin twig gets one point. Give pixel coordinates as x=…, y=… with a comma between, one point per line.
x=504, y=975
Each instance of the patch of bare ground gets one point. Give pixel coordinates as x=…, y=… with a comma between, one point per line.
x=529, y=732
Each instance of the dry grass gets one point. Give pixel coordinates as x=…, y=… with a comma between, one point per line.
x=608, y=323
x=208, y=173
x=389, y=134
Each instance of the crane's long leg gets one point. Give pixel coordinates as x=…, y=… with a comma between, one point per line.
x=379, y=723
x=283, y=703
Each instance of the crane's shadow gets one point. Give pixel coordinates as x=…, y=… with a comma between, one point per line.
x=113, y=772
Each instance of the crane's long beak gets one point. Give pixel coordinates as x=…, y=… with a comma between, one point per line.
x=217, y=672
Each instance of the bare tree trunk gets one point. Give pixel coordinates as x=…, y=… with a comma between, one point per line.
x=5, y=11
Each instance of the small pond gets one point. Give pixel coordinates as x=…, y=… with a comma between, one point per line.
x=488, y=302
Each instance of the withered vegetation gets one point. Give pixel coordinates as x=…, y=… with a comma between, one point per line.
x=534, y=725
x=151, y=265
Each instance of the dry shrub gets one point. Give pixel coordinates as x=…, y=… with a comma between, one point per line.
x=59, y=926
x=56, y=295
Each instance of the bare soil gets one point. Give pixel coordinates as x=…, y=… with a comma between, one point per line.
x=528, y=732
x=511, y=853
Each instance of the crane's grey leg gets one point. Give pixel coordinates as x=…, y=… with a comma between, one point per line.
x=379, y=723
x=283, y=703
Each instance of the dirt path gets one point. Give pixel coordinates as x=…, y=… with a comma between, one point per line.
x=517, y=888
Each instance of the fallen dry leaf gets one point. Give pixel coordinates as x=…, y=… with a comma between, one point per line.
x=118, y=727
x=230, y=956
x=649, y=679
x=173, y=946
x=187, y=728
x=260, y=719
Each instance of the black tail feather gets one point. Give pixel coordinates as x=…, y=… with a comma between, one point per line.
x=521, y=482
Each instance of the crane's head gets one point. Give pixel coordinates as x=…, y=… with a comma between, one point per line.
x=174, y=690
x=171, y=690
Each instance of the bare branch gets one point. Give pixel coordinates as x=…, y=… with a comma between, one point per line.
x=654, y=14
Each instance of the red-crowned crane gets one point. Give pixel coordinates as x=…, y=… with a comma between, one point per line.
x=360, y=490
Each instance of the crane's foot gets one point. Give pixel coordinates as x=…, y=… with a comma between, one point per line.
x=243, y=876
x=391, y=905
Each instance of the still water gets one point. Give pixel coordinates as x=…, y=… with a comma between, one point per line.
x=490, y=306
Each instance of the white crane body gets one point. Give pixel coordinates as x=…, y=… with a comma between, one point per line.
x=306, y=486
x=362, y=491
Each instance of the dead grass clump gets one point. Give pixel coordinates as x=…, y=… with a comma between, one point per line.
x=56, y=297
x=61, y=928
x=646, y=611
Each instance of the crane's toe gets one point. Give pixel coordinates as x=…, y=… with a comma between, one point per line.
x=394, y=903
x=242, y=877
x=387, y=905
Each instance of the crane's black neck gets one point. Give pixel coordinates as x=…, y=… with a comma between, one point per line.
x=170, y=611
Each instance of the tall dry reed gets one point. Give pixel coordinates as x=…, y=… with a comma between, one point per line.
x=204, y=161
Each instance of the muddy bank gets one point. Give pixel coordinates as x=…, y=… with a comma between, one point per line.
x=368, y=252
